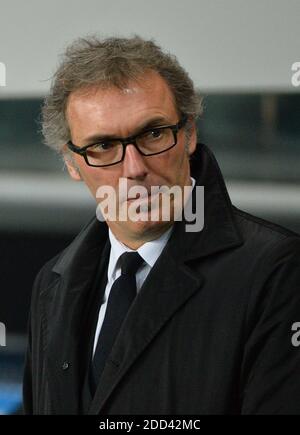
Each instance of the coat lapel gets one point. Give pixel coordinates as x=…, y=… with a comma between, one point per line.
x=63, y=308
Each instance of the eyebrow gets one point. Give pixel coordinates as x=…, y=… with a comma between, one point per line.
x=154, y=122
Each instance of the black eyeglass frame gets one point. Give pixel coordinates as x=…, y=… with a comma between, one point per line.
x=129, y=140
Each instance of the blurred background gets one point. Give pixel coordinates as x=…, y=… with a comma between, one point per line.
x=240, y=55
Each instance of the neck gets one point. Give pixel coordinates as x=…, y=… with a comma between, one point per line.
x=135, y=241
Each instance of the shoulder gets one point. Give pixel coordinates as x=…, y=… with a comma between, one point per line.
x=47, y=275
x=272, y=255
x=261, y=234
x=269, y=257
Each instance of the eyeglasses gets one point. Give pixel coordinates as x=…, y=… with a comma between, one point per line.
x=152, y=141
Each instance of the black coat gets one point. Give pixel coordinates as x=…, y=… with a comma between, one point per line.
x=210, y=332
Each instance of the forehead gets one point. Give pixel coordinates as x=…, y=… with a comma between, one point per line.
x=148, y=96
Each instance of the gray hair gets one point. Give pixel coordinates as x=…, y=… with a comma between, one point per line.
x=111, y=62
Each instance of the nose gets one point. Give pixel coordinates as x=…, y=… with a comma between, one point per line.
x=134, y=166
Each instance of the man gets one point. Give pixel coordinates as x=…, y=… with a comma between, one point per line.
x=209, y=328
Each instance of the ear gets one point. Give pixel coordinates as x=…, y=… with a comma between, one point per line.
x=192, y=143
x=72, y=169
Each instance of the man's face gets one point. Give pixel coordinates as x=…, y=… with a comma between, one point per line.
x=119, y=113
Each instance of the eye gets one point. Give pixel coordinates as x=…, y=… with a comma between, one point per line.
x=102, y=146
x=154, y=134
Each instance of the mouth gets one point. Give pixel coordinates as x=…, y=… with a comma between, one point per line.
x=151, y=193
x=144, y=202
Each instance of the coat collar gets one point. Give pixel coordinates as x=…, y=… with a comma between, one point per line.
x=220, y=230
x=171, y=282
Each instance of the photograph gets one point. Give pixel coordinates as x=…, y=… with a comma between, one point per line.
x=150, y=210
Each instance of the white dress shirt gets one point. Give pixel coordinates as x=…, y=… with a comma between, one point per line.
x=149, y=251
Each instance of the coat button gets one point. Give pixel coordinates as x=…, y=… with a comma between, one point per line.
x=65, y=365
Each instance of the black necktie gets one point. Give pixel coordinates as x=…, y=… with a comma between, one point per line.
x=121, y=296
